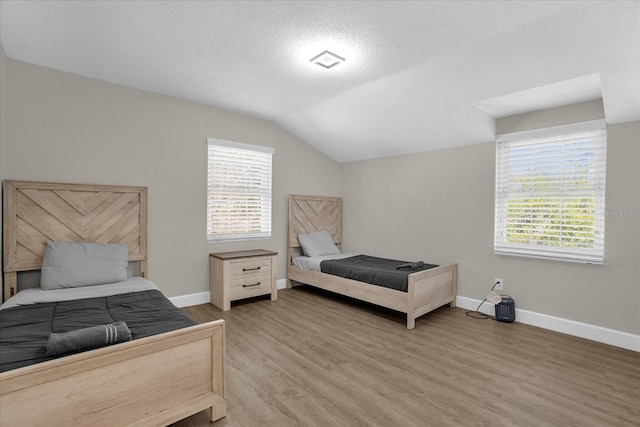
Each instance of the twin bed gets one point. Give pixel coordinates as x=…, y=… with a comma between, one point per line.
x=162, y=376
x=425, y=290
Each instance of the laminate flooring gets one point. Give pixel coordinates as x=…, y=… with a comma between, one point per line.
x=313, y=358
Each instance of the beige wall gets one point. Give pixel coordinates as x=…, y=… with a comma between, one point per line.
x=3, y=88
x=575, y=113
x=66, y=128
x=439, y=207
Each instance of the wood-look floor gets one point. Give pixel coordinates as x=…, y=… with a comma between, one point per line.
x=316, y=359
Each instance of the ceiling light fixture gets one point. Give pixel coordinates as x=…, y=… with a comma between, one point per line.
x=327, y=59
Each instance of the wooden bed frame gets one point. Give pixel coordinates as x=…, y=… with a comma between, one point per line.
x=427, y=290
x=155, y=380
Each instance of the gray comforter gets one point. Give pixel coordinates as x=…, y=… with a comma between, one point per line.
x=373, y=270
x=25, y=329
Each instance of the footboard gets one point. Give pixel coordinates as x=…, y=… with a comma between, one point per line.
x=156, y=380
x=430, y=289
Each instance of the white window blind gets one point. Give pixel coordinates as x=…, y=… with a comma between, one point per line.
x=239, y=191
x=550, y=193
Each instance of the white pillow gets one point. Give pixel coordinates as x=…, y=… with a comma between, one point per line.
x=318, y=243
x=71, y=265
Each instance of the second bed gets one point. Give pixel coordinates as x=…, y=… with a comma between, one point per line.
x=425, y=291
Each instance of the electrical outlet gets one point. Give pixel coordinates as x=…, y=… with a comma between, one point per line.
x=499, y=284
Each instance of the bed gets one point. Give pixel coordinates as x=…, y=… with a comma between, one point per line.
x=425, y=290
x=156, y=380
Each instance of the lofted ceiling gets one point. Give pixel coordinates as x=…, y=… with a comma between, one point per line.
x=418, y=76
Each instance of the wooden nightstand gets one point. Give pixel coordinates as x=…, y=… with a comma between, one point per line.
x=241, y=274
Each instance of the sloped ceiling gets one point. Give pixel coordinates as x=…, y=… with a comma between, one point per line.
x=418, y=76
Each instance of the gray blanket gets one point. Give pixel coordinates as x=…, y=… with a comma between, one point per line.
x=25, y=330
x=376, y=271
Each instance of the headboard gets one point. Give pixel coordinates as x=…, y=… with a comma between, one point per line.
x=312, y=213
x=35, y=212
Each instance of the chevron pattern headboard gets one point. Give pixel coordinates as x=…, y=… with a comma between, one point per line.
x=35, y=212
x=312, y=213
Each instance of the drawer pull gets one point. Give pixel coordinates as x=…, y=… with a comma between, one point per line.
x=251, y=269
x=248, y=286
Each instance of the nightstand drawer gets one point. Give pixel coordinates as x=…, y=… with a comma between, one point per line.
x=252, y=287
x=250, y=268
x=249, y=282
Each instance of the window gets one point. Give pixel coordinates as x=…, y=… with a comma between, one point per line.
x=550, y=191
x=239, y=191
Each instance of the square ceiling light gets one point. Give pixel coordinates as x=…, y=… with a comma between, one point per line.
x=327, y=59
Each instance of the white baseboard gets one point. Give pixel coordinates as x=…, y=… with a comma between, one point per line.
x=565, y=326
x=191, y=299
x=204, y=297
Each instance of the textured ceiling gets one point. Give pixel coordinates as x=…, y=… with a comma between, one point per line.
x=418, y=75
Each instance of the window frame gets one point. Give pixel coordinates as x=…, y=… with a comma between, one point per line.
x=237, y=156
x=541, y=141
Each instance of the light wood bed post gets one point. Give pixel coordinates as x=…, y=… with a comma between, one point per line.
x=289, y=261
x=10, y=282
